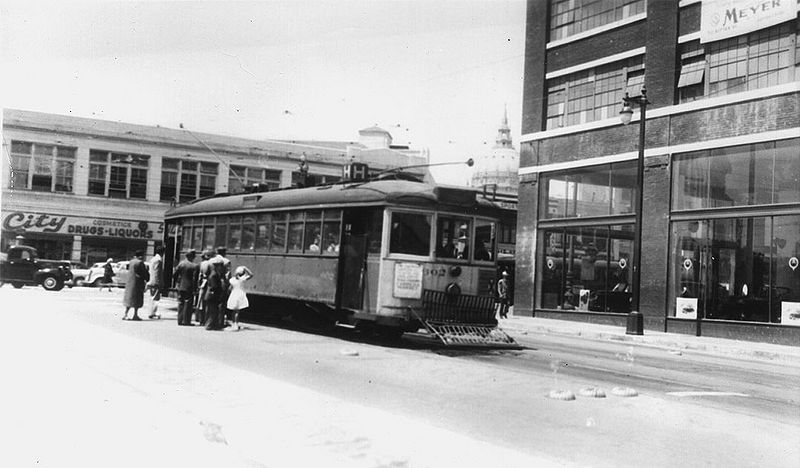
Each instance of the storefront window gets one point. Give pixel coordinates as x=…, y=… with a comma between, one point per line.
x=590, y=191
x=758, y=174
x=587, y=268
x=735, y=268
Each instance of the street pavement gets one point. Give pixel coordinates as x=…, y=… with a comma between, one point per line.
x=84, y=395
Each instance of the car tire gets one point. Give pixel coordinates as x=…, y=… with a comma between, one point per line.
x=78, y=281
x=17, y=285
x=51, y=283
x=97, y=282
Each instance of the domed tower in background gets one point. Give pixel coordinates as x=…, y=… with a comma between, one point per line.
x=500, y=167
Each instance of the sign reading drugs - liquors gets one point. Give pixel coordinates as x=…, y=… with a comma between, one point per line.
x=721, y=19
x=407, y=280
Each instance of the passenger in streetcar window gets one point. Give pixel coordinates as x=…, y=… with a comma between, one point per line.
x=237, y=301
x=461, y=248
x=314, y=247
x=447, y=249
x=483, y=251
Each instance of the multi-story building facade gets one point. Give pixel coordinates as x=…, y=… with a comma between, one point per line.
x=87, y=189
x=720, y=223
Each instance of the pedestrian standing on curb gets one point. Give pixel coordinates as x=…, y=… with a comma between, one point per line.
x=135, y=287
x=185, y=278
x=156, y=282
x=226, y=264
x=237, y=300
x=502, y=295
x=215, y=291
x=200, y=303
x=108, y=274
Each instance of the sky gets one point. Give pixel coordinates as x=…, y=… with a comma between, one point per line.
x=435, y=74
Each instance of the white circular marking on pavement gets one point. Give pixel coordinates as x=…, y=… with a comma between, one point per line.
x=624, y=391
x=564, y=395
x=594, y=392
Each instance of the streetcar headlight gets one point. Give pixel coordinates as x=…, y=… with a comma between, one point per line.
x=455, y=271
x=453, y=289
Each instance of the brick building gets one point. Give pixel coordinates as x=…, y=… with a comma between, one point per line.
x=721, y=185
x=87, y=189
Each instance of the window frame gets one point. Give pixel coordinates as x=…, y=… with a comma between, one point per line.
x=115, y=161
x=57, y=158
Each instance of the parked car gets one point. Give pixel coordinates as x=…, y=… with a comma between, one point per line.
x=96, y=272
x=21, y=266
x=79, y=274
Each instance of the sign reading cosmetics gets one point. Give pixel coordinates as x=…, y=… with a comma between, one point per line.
x=721, y=19
x=80, y=226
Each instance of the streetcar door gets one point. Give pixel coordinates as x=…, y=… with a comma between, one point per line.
x=353, y=260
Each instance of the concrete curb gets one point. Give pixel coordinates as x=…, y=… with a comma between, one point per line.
x=671, y=342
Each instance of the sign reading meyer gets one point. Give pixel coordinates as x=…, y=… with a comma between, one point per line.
x=80, y=226
x=721, y=19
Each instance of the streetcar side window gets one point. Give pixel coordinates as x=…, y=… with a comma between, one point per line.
x=410, y=234
x=313, y=232
x=278, y=238
x=295, y=233
x=263, y=232
x=222, y=231
x=484, y=240
x=209, y=233
x=248, y=233
x=453, y=237
x=186, y=235
x=235, y=233
x=331, y=228
x=375, y=230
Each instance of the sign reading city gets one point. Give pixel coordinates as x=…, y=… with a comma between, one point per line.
x=721, y=19
x=81, y=226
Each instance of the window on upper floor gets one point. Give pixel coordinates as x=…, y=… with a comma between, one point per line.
x=184, y=181
x=593, y=94
x=314, y=179
x=570, y=17
x=41, y=167
x=761, y=59
x=240, y=177
x=118, y=175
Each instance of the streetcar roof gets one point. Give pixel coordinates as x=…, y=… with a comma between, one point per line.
x=373, y=193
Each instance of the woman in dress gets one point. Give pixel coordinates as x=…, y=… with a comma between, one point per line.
x=237, y=300
x=134, y=288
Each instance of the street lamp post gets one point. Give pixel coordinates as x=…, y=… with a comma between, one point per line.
x=635, y=322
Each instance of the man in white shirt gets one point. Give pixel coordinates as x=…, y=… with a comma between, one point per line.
x=156, y=281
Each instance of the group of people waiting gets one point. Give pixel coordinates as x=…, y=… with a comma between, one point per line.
x=208, y=290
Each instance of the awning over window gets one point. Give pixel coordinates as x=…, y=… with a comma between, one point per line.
x=692, y=74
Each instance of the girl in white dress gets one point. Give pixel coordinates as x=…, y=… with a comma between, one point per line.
x=237, y=300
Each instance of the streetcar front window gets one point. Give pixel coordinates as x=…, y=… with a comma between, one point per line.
x=484, y=240
x=453, y=237
x=411, y=234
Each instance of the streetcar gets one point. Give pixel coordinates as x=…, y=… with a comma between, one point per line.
x=388, y=254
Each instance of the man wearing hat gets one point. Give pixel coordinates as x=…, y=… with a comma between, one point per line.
x=185, y=278
x=502, y=295
x=200, y=304
x=226, y=269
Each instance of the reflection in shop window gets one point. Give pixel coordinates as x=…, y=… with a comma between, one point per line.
x=587, y=268
x=735, y=269
x=589, y=191
x=757, y=174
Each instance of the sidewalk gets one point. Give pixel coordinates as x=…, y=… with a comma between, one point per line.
x=675, y=342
